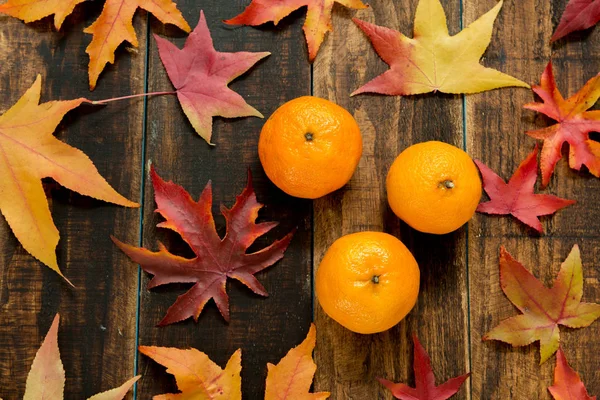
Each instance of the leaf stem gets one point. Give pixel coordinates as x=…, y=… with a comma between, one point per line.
x=133, y=96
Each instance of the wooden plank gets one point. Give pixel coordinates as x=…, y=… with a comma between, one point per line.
x=97, y=330
x=496, y=120
x=265, y=329
x=349, y=363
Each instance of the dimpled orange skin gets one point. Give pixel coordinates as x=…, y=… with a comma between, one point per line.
x=310, y=147
x=367, y=282
x=434, y=187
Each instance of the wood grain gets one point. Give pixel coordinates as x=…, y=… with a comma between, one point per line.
x=460, y=297
x=496, y=123
x=265, y=328
x=348, y=363
x=97, y=331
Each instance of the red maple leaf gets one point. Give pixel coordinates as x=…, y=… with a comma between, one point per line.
x=318, y=17
x=567, y=384
x=201, y=74
x=578, y=15
x=216, y=259
x=425, y=380
x=543, y=309
x=574, y=124
x=516, y=197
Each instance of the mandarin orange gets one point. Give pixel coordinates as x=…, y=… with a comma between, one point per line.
x=367, y=281
x=434, y=187
x=310, y=147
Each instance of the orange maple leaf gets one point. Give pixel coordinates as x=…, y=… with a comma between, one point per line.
x=567, y=383
x=292, y=377
x=113, y=26
x=28, y=153
x=318, y=17
x=34, y=10
x=197, y=376
x=46, y=379
x=543, y=309
x=574, y=125
x=200, y=378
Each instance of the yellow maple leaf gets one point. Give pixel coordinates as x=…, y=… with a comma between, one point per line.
x=199, y=378
x=433, y=60
x=46, y=378
x=292, y=377
x=28, y=153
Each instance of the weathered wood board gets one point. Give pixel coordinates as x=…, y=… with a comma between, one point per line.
x=111, y=311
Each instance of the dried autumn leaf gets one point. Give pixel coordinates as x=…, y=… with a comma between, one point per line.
x=516, y=197
x=594, y=147
x=567, y=384
x=574, y=124
x=46, y=376
x=46, y=379
x=543, y=309
x=28, y=153
x=216, y=259
x=201, y=74
x=578, y=15
x=318, y=17
x=199, y=378
x=425, y=380
x=433, y=60
x=292, y=377
x=113, y=26
x=34, y=10
x=116, y=393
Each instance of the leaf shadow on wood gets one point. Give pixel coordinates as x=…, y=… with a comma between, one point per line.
x=148, y=367
x=430, y=96
x=11, y=248
x=514, y=224
x=500, y=349
x=62, y=195
x=168, y=30
x=498, y=352
x=284, y=24
x=435, y=254
x=573, y=37
x=42, y=26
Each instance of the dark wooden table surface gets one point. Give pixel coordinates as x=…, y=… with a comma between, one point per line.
x=110, y=311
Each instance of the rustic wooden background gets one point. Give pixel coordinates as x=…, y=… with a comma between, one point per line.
x=111, y=312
